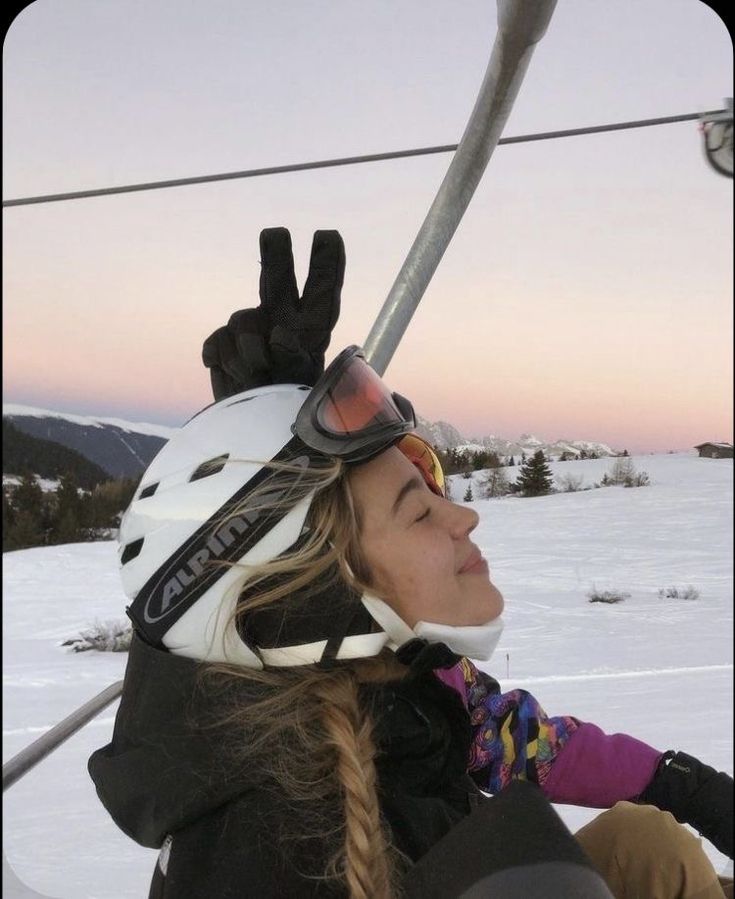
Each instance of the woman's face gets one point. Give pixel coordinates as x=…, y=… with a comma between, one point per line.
x=418, y=549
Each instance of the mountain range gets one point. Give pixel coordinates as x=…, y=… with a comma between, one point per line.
x=443, y=436
x=124, y=449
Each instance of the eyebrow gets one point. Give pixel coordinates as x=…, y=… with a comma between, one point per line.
x=414, y=483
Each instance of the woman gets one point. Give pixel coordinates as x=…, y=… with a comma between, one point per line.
x=299, y=716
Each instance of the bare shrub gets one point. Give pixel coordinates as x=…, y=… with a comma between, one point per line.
x=689, y=592
x=104, y=636
x=624, y=474
x=570, y=483
x=608, y=596
x=495, y=483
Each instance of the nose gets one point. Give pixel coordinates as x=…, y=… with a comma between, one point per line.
x=462, y=520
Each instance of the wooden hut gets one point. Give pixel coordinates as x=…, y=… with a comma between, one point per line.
x=714, y=450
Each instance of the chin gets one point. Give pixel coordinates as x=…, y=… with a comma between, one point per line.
x=496, y=604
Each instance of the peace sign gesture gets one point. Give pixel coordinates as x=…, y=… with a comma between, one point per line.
x=283, y=340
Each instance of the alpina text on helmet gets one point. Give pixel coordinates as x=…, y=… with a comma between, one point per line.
x=225, y=541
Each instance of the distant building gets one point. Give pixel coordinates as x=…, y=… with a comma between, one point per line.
x=714, y=450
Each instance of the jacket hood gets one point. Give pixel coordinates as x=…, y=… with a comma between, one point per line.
x=167, y=763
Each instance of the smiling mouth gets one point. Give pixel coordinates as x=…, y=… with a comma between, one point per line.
x=475, y=564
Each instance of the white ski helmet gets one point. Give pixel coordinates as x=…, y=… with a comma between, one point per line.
x=188, y=533
x=180, y=523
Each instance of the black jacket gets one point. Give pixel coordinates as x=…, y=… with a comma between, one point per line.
x=168, y=779
x=165, y=775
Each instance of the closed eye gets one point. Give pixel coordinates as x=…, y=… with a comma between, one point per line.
x=423, y=516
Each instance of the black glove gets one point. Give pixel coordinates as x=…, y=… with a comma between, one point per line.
x=283, y=340
x=695, y=794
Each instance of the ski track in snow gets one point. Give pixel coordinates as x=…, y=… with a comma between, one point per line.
x=659, y=669
x=641, y=672
x=130, y=449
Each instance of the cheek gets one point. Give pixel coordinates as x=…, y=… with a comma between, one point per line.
x=405, y=569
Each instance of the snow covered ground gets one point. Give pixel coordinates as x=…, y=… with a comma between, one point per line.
x=660, y=669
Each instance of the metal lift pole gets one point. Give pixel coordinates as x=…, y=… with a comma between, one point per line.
x=521, y=25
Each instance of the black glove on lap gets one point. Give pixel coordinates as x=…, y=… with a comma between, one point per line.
x=695, y=794
x=283, y=340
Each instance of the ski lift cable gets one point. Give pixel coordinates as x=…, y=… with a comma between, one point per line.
x=353, y=160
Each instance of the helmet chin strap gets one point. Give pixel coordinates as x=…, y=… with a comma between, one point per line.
x=475, y=641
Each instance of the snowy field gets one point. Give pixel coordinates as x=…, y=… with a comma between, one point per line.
x=660, y=669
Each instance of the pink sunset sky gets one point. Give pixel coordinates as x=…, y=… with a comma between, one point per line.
x=587, y=293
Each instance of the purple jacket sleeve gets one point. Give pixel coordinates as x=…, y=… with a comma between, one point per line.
x=573, y=762
x=598, y=769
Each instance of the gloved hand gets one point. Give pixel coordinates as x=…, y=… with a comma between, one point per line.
x=695, y=794
x=283, y=340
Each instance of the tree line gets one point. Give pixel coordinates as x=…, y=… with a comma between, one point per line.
x=464, y=461
x=34, y=517
x=535, y=478
x=47, y=458
x=457, y=461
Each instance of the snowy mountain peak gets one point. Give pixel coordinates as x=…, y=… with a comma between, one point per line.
x=14, y=410
x=444, y=436
x=440, y=434
x=530, y=440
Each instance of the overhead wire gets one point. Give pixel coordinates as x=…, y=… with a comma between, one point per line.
x=352, y=160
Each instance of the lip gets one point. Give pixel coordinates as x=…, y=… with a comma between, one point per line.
x=475, y=564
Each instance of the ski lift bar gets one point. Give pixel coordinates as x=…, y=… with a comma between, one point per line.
x=20, y=764
x=520, y=27
x=27, y=758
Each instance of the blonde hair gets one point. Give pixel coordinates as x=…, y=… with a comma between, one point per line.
x=320, y=716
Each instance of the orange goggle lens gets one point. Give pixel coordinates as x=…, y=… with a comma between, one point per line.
x=420, y=453
x=358, y=400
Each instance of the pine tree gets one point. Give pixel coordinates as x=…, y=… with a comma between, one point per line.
x=27, y=531
x=28, y=495
x=8, y=520
x=67, y=529
x=512, y=461
x=68, y=525
x=479, y=460
x=468, y=494
x=27, y=514
x=535, y=478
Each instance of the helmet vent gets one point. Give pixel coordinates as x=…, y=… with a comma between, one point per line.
x=148, y=491
x=210, y=467
x=131, y=551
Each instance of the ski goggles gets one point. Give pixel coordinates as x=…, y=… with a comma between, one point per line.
x=350, y=413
